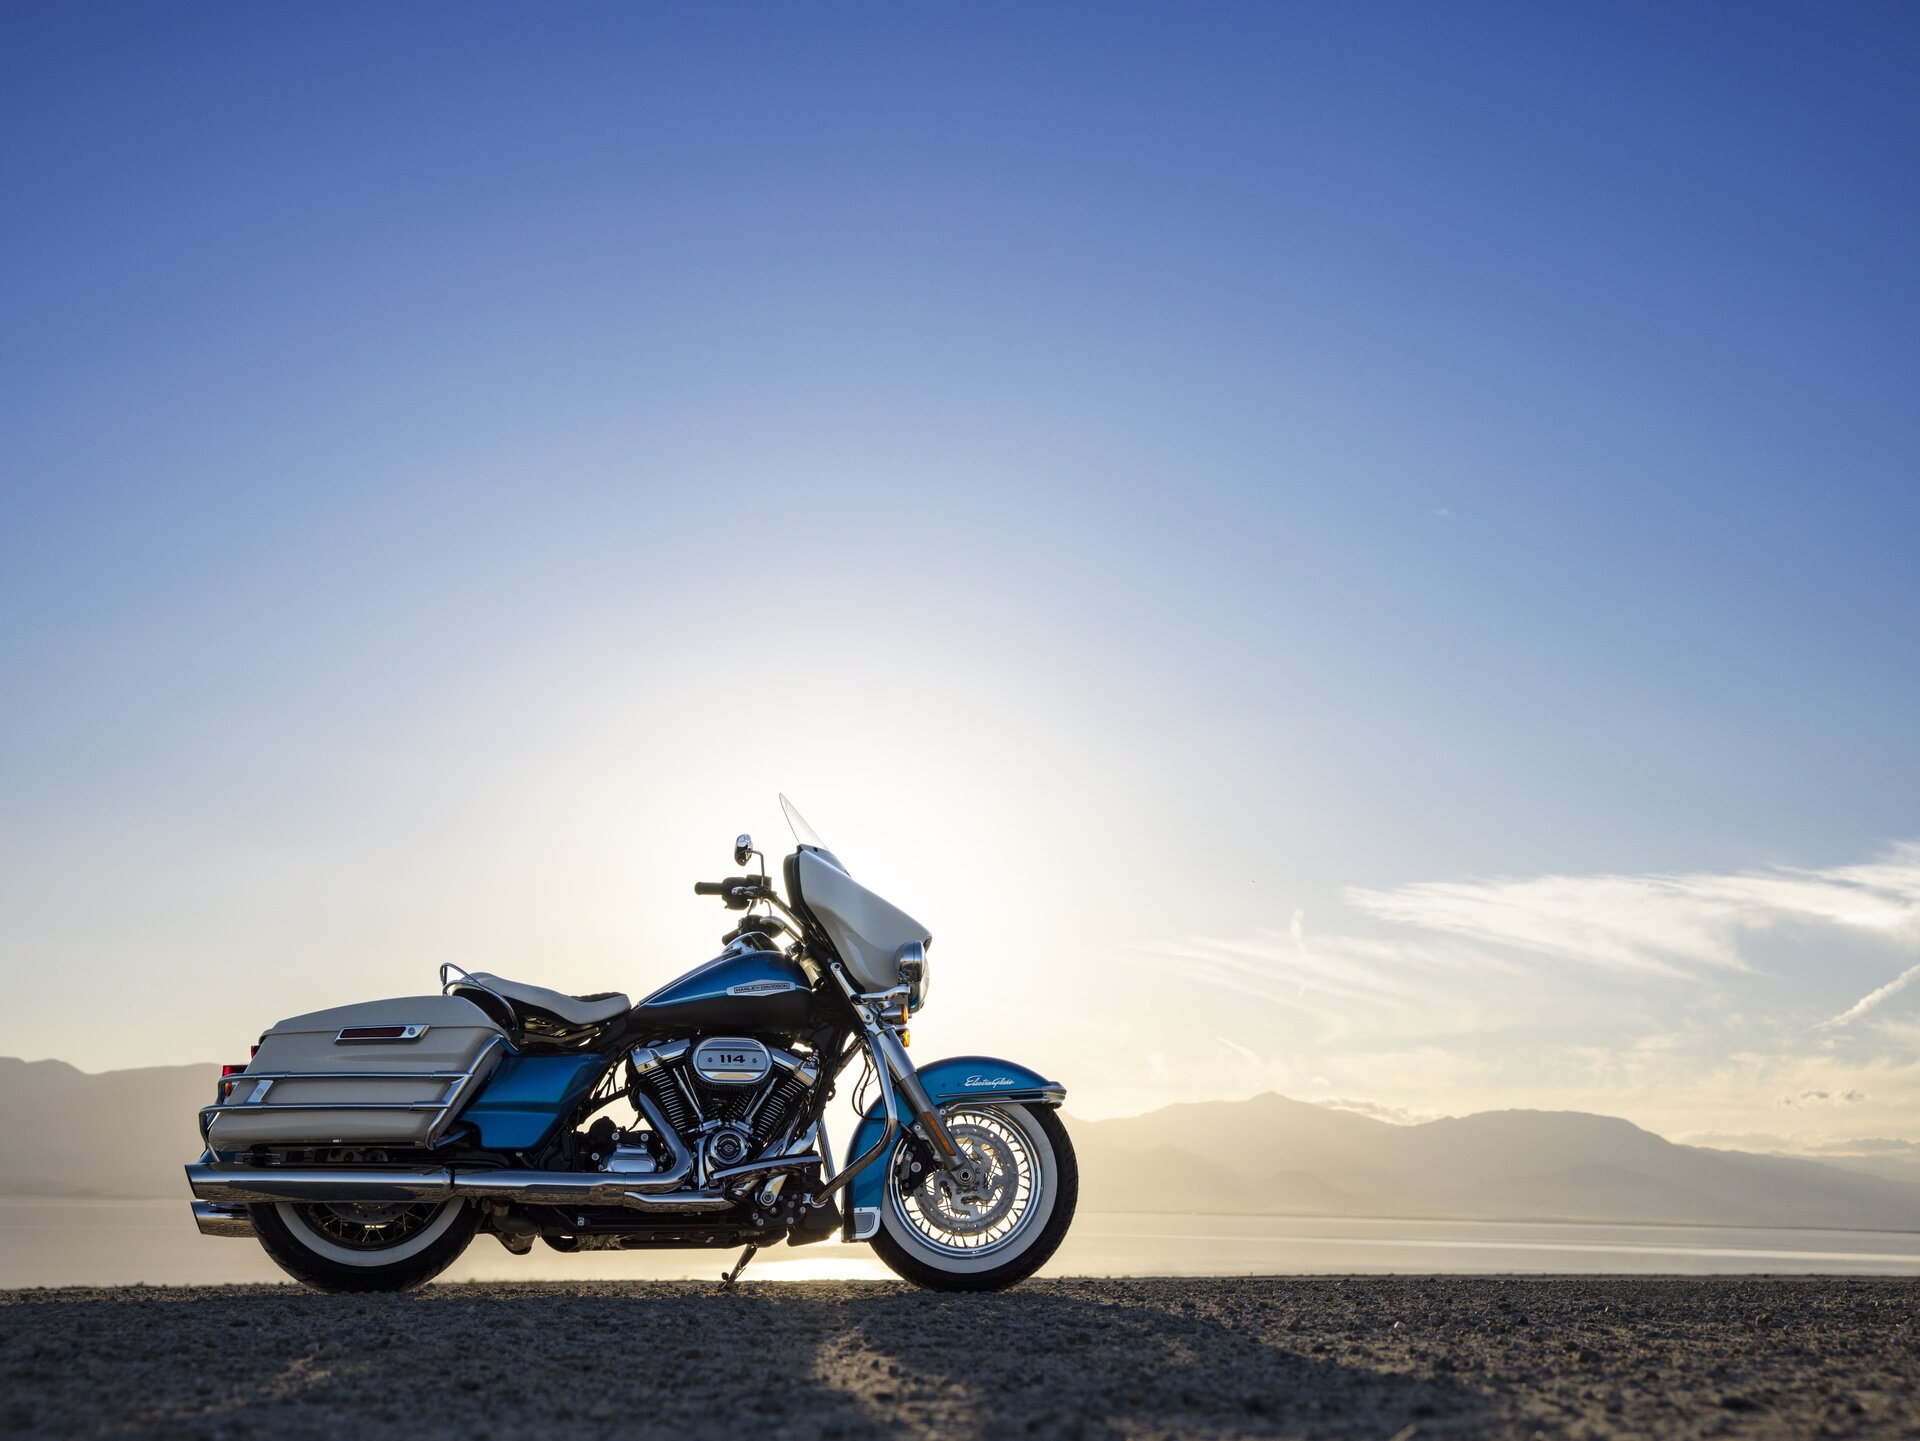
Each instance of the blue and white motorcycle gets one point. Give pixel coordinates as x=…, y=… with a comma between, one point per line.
x=365, y=1146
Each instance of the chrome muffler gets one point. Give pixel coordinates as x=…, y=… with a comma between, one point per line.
x=264, y=1185
x=215, y=1219
x=662, y=1190
x=226, y=1186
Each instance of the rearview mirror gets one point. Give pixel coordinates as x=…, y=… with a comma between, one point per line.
x=742, y=848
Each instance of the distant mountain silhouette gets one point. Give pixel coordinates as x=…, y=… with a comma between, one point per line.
x=119, y=1133
x=126, y=1133
x=1275, y=1156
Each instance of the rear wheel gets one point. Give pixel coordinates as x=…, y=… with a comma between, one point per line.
x=1000, y=1230
x=365, y=1247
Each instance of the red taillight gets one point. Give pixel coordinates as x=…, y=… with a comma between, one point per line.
x=233, y=1070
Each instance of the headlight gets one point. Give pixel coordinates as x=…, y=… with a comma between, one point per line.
x=916, y=971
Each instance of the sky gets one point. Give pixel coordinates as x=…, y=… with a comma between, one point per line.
x=1359, y=550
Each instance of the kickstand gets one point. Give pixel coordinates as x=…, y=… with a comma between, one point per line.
x=727, y=1278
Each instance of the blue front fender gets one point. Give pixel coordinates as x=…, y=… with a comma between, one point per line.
x=954, y=1079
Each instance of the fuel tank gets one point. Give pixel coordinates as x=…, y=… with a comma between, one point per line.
x=756, y=992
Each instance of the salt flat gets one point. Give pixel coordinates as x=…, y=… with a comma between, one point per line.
x=1265, y=1356
x=124, y=1242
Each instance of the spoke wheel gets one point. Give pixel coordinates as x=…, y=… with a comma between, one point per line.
x=999, y=1224
x=991, y=1210
x=340, y=1247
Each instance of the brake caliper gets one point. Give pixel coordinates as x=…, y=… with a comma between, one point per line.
x=916, y=1163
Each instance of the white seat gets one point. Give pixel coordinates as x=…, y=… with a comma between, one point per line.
x=574, y=1010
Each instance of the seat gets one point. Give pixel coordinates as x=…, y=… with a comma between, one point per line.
x=574, y=1010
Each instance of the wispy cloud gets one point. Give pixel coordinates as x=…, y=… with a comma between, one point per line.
x=1663, y=924
x=1874, y=997
x=1340, y=983
x=1801, y=1099
x=1394, y=1115
x=1466, y=994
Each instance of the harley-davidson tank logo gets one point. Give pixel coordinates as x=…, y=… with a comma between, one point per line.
x=974, y=1081
x=761, y=988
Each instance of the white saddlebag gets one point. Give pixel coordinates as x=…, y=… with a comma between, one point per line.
x=381, y=1073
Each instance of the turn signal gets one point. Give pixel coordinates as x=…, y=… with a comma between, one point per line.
x=906, y=1036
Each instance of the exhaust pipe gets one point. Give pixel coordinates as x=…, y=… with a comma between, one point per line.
x=557, y=1188
x=217, y=1220
x=662, y=1190
x=266, y=1185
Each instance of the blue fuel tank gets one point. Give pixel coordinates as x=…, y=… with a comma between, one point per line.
x=746, y=992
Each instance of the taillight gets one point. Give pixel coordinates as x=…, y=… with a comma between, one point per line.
x=381, y=1033
x=233, y=1070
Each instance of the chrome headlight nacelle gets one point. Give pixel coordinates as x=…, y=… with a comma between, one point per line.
x=916, y=971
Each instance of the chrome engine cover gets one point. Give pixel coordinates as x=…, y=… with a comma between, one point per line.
x=631, y=1161
x=731, y=1061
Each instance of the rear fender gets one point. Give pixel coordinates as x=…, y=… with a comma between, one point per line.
x=527, y=1097
x=958, y=1078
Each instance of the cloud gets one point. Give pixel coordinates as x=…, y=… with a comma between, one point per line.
x=1482, y=993
x=1873, y=998
x=1867, y=1146
x=1802, y=1099
x=1681, y=924
x=1735, y=1140
x=1888, y=1146
x=1246, y=1055
x=1341, y=984
x=1394, y=1115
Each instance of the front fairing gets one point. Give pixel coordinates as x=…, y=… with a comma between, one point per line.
x=866, y=929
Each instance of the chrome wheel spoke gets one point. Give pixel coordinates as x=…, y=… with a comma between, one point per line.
x=998, y=1203
x=369, y=1228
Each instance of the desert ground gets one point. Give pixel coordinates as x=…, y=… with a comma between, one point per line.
x=1383, y=1357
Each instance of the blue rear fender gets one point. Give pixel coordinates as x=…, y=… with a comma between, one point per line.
x=980, y=1078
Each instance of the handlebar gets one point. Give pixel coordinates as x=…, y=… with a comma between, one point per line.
x=738, y=892
x=733, y=886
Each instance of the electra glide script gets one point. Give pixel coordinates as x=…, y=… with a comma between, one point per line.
x=367, y=1145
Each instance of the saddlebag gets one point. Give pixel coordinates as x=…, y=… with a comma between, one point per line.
x=381, y=1073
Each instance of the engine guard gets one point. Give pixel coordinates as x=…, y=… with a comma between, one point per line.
x=954, y=1079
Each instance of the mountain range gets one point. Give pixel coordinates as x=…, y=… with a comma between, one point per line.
x=1275, y=1156
x=125, y=1133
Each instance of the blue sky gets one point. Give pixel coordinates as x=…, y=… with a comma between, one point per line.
x=458, y=458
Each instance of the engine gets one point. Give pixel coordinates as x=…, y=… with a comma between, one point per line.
x=731, y=1099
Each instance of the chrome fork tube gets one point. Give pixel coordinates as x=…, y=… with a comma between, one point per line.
x=919, y=1103
x=890, y=1057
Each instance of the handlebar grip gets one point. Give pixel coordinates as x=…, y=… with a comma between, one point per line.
x=709, y=888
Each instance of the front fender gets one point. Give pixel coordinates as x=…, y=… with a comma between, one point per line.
x=954, y=1079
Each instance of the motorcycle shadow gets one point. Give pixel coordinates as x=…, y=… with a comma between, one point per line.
x=838, y=1361
x=1088, y=1366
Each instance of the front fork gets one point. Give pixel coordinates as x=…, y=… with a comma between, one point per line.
x=892, y=1068
x=920, y=1105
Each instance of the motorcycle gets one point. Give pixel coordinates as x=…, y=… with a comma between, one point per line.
x=366, y=1146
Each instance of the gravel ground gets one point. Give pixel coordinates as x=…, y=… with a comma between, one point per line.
x=1384, y=1357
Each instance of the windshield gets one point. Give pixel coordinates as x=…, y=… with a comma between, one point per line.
x=803, y=833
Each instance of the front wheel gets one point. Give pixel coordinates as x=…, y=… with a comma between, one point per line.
x=1001, y=1230
x=364, y=1247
